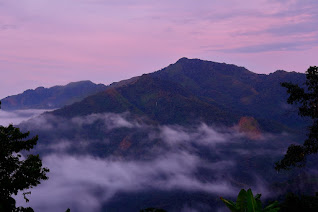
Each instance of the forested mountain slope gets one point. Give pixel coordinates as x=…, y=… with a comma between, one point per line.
x=51, y=98
x=196, y=90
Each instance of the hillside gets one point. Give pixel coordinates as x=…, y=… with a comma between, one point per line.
x=253, y=94
x=51, y=98
x=196, y=90
x=161, y=101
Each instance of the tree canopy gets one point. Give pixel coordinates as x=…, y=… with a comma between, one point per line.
x=17, y=173
x=246, y=201
x=307, y=100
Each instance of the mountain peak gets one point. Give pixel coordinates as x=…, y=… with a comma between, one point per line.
x=197, y=69
x=79, y=83
x=192, y=60
x=280, y=72
x=182, y=59
x=215, y=65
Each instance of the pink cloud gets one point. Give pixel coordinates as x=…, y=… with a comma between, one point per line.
x=54, y=42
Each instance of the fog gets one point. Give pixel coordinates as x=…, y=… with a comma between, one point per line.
x=215, y=160
x=75, y=180
x=15, y=117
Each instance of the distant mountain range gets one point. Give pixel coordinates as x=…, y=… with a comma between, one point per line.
x=51, y=98
x=191, y=90
x=195, y=90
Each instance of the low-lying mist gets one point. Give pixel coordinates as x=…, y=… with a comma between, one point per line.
x=17, y=116
x=105, y=161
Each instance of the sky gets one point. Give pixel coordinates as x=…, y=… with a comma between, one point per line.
x=47, y=43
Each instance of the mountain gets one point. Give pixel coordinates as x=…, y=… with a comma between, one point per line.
x=166, y=139
x=195, y=90
x=186, y=94
x=257, y=95
x=51, y=98
x=159, y=100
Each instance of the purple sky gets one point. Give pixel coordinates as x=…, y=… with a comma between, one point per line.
x=45, y=42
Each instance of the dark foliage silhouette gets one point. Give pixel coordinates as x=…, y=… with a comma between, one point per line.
x=307, y=99
x=16, y=173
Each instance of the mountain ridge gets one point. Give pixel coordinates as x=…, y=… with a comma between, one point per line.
x=195, y=89
x=52, y=97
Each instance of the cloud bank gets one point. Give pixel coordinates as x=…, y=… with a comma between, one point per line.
x=18, y=116
x=84, y=183
x=124, y=156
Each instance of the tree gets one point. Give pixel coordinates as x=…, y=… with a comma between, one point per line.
x=297, y=203
x=307, y=99
x=18, y=174
x=247, y=202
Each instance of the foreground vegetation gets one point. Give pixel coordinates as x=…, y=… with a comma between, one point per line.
x=18, y=174
x=307, y=99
